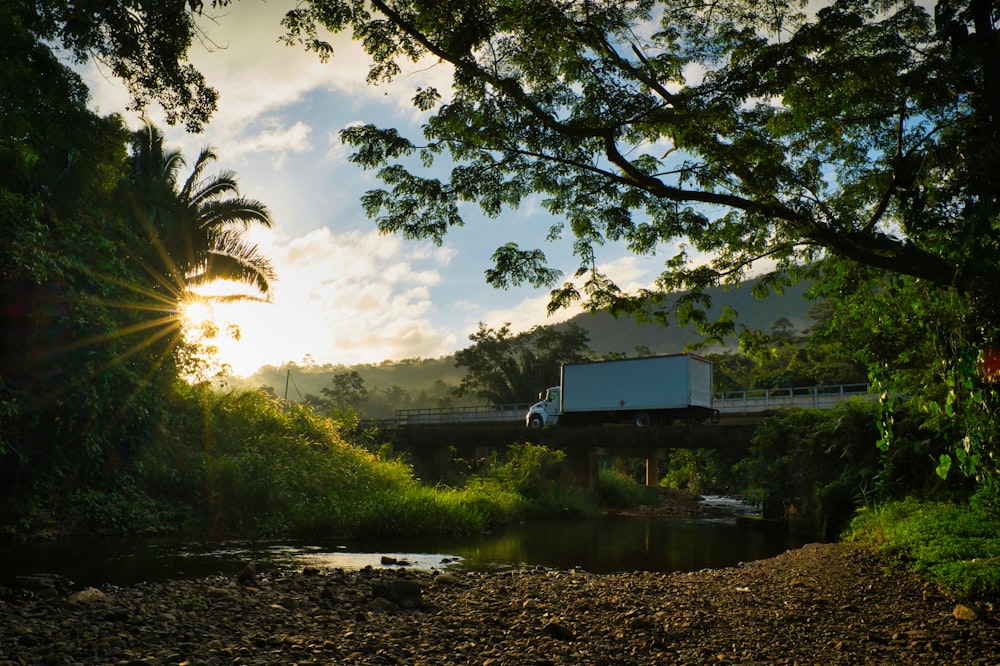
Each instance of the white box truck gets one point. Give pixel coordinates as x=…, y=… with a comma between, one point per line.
x=642, y=391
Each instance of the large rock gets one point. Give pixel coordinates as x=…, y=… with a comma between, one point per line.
x=87, y=596
x=968, y=612
x=403, y=593
x=248, y=576
x=43, y=581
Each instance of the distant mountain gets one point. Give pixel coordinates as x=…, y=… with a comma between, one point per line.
x=623, y=335
x=413, y=375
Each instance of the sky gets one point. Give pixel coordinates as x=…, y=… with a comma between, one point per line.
x=345, y=294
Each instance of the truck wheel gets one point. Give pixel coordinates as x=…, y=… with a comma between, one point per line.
x=642, y=420
x=535, y=421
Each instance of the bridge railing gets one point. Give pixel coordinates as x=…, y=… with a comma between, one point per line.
x=814, y=397
x=472, y=414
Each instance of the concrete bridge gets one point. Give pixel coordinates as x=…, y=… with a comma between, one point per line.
x=436, y=437
x=746, y=401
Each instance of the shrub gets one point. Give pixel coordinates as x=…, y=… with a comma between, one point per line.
x=702, y=471
x=621, y=490
x=956, y=546
x=250, y=463
x=532, y=472
x=813, y=463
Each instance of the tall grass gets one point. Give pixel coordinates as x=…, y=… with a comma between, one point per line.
x=248, y=463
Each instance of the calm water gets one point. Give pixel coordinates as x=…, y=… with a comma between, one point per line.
x=599, y=545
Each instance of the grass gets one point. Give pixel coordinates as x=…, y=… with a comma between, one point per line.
x=281, y=469
x=956, y=546
x=620, y=490
x=245, y=462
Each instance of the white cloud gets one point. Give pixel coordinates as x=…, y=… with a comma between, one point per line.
x=341, y=298
x=256, y=73
x=241, y=55
x=337, y=152
x=523, y=315
x=629, y=272
x=278, y=139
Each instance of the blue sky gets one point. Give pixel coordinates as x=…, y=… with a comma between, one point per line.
x=345, y=294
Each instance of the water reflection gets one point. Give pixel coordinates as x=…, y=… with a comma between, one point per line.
x=627, y=544
x=598, y=545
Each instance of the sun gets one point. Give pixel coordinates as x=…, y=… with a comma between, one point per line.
x=196, y=315
x=229, y=335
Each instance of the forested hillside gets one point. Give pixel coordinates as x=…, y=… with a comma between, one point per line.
x=609, y=335
x=410, y=375
x=427, y=382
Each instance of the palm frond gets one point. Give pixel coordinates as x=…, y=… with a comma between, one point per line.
x=205, y=157
x=218, y=186
x=239, y=212
x=232, y=258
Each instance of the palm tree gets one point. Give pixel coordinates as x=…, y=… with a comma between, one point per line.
x=194, y=230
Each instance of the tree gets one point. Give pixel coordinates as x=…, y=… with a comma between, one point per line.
x=80, y=389
x=145, y=44
x=922, y=348
x=348, y=391
x=193, y=230
x=867, y=131
x=506, y=368
x=745, y=131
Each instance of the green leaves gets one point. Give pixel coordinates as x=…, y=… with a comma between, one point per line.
x=514, y=266
x=824, y=140
x=944, y=466
x=144, y=44
x=375, y=146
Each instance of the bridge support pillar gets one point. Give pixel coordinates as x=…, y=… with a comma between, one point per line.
x=580, y=468
x=653, y=458
x=652, y=473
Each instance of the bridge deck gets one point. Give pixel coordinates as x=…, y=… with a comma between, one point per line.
x=731, y=403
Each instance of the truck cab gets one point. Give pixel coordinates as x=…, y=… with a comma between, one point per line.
x=546, y=411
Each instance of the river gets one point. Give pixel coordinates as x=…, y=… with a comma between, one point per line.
x=599, y=545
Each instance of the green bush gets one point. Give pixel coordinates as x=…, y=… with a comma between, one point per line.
x=125, y=509
x=289, y=470
x=956, y=546
x=702, y=471
x=533, y=473
x=621, y=490
x=813, y=463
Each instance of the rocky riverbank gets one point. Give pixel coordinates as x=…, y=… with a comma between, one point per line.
x=830, y=603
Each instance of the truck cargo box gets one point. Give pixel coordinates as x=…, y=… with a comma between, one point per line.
x=648, y=383
x=644, y=391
